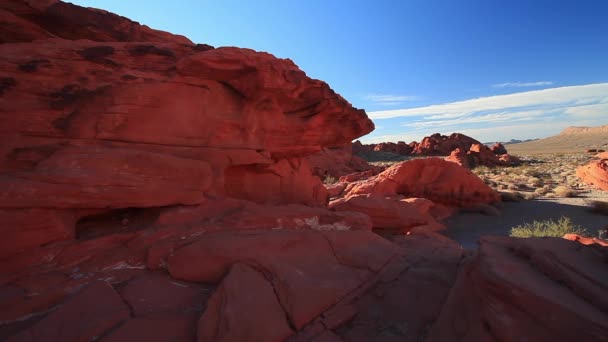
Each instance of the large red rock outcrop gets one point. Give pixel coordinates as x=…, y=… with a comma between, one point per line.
x=86, y=120
x=432, y=178
x=415, y=194
x=595, y=173
x=398, y=148
x=460, y=149
x=158, y=190
x=537, y=289
x=442, y=145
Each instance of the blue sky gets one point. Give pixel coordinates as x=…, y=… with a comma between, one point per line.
x=492, y=69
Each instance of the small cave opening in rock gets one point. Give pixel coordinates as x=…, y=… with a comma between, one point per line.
x=115, y=221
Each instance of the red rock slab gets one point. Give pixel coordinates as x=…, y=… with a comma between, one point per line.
x=401, y=301
x=396, y=214
x=98, y=177
x=538, y=289
x=432, y=178
x=175, y=328
x=156, y=293
x=310, y=270
x=24, y=229
x=586, y=240
x=595, y=173
x=245, y=307
x=179, y=226
x=86, y=316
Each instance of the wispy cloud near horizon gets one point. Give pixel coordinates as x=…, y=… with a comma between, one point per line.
x=390, y=99
x=529, y=114
x=522, y=84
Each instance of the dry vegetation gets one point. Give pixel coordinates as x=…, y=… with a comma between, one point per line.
x=539, y=176
x=549, y=228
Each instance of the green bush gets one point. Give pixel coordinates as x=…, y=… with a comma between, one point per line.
x=548, y=228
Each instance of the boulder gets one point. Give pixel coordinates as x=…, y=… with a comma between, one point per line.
x=432, y=178
x=595, y=173
x=441, y=145
x=498, y=148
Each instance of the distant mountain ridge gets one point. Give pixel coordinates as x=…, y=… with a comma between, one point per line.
x=584, y=130
x=571, y=139
x=512, y=141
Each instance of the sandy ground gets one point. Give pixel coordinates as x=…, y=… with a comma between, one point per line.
x=467, y=228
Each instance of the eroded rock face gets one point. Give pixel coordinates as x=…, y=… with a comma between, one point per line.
x=595, y=173
x=534, y=288
x=99, y=112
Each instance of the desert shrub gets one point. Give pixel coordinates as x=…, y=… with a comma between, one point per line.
x=564, y=191
x=535, y=182
x=541, y=191
x=599, y=207
x=547, y=228
x=329, y=180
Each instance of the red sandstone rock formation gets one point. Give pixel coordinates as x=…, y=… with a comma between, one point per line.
x=88, y=124
x=479, y=154
x=441, y=145
x=498, y=148
x=159, y=190
x=399, y=148
x=461, y=149
x=412, y=195
x=433, y=178
x=515, y=289
x=595, y=173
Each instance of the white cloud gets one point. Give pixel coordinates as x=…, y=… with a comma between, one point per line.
x=522, y=84
x=390, y=100
x=589, y=111
x=548, y=99
x=524, y=115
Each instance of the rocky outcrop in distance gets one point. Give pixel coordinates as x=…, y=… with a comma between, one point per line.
x=156, y=189
x=596, y=172
x=459, y=148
